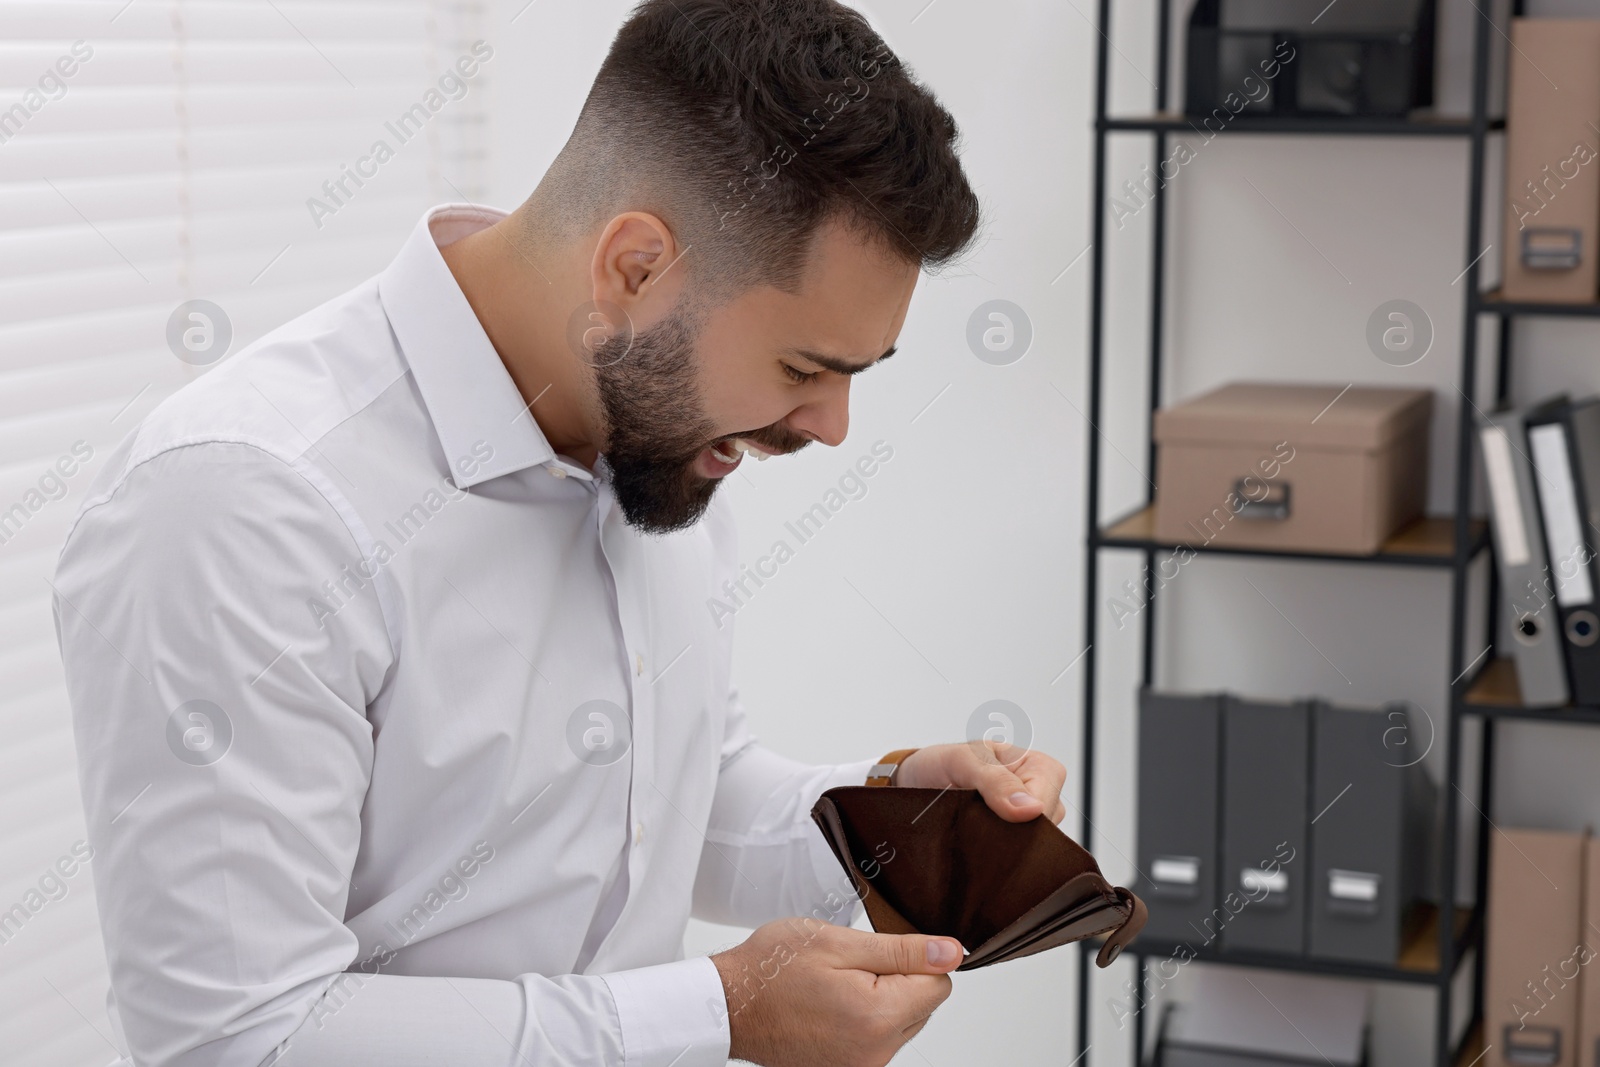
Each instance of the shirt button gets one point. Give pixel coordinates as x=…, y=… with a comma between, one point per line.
x=557, y=472
x=638, y=833
x=638, y=664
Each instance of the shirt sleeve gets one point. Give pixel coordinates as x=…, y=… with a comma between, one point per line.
x=224, y=756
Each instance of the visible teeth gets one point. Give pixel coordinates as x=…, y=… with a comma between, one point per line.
x=746, y=447
x=725, y=453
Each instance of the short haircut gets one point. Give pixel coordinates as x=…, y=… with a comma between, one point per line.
x=744, y=125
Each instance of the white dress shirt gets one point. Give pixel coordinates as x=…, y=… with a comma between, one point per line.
x=397, y=745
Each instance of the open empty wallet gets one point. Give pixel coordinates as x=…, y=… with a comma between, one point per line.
x=939, y=861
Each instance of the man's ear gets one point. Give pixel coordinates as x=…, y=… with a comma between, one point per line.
x=632, y=267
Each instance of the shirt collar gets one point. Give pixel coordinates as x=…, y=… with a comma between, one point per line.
x=466, y=389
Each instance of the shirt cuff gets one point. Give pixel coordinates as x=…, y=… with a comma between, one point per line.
x=831, y=875
x=672, y=1014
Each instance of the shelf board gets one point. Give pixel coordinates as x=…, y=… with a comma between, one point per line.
x=1419, y=124
x=1492, y=303
x=1427, y=542
x=1418, y=962
x=1496, y=692
x=1470, y=1051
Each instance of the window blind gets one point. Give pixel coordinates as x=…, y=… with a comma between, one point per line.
x=152, y=153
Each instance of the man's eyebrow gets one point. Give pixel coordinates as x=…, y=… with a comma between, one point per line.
x=839, y=366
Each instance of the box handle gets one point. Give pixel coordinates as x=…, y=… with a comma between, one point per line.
x=1538, y=1046
x=1552, y=249
x=1269, y=508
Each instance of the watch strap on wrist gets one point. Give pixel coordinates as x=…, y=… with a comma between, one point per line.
x=887, y=770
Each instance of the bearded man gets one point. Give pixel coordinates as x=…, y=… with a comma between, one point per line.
x=405, y=735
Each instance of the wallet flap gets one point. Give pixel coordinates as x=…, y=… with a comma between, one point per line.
x=1123, y=936
x=1083, y=896
x=1098, y=920
x=1122, y=917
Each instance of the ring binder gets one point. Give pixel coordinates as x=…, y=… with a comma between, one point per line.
x=1564, y=449
x=1519, y=545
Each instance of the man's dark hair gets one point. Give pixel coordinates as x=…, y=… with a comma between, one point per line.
x=744, y=124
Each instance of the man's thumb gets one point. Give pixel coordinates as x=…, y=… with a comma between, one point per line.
x=1008, y=797
x=910, y=954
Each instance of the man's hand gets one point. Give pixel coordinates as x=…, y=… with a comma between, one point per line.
x=1018, y=783
x=802, y=992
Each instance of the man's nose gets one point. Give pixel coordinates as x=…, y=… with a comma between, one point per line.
x=825, y=417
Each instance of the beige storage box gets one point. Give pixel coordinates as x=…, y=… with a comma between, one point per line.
x=1552, y=216
x=1536, y=950
x=1311, y=468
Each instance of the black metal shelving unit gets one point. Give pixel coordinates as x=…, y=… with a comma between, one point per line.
x=1163, y=122
x=1484, y=690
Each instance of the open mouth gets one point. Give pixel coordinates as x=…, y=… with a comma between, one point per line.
x=722, y=457
x=730, y=450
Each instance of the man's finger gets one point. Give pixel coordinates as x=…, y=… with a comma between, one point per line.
x=910, y=998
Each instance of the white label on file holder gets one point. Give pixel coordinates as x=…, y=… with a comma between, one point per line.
x=1562, y=531
x=1503, y=496
x=1353, y=885
x=1252, y=878
x=1175, y=870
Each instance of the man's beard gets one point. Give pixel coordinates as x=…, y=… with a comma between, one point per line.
x=657, y=425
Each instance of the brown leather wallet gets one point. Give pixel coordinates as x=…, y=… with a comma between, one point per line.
x=939, y=861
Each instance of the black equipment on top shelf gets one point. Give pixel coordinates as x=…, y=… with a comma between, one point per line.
x=1308, y=57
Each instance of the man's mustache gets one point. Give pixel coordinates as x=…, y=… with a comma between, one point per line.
x=772, y=439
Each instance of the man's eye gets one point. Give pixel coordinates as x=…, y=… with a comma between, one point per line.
x=799, y=376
